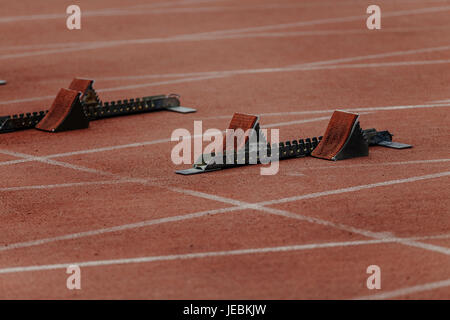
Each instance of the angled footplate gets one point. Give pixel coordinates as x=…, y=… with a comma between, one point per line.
x=86, y=87
x=252, y=149
x=66, y=113
x=95, y=109
x=249, y=124
x=343, y=138
x=2, y=82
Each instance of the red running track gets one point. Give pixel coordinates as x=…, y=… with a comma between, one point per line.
x=107, y=198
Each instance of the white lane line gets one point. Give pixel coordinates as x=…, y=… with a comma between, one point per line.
x=152, y=84
x=67, y=185
x=27, y=100
x=119, y=181
x=127, y=87
x=260, y=206
x=107, y=12
x=356, y=188
x=281, y=69
x=442, y=101
x=407, y=291
x=412, y=162
x=367, y=109
x=288, y=123
x=377, y=56
x=301, y=67
x=200, y=76
x=11, y=162
x=279, y=34
x=152, y=142
x=319, y=65
x=201, y=255
x=59, y=163
x=328, y=20
x=129, y=145
x=141, y=224
x=165, y=7
x=210, y=35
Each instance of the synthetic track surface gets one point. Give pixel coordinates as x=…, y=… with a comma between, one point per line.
x=107, y=198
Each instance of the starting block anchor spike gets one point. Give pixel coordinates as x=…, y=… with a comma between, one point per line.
x=66, y=113
x=343, y=138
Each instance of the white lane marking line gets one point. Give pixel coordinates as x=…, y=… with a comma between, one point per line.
x=327, y=21
x=67, y=185
x=59, y=163
x=10, y=162
x=152, y=84
x=279, y=34
x=357, y=188
x=165, y=7
x=407, y=291
x=389, y=108
x=141, y=224
x=281, y=69
x=106, y=12
x=199, y=76
x=260, y=206
x=298, y=68
x=210, y=35
x=377, y=56
x=332, y=166
x=130, y=145
x=441, y=101
x=27, y=100
x=147, y=143
x=293, y=68
x=199, y=255
x=127, y=87
x=288, y=123
x=157, y=11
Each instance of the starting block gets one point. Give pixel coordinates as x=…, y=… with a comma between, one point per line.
x=93, y=108
x=2, y=82
x=66, y=113
x=246, y=152
x=343, y=139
